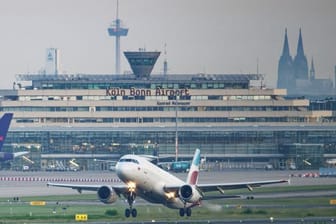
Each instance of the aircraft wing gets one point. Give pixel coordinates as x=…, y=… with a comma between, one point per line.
x=229, y=186
x=221, y=187
x=119, y=189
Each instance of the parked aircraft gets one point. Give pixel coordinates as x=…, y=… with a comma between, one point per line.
x=4, y=126
x=331, y=161
x=148, y=181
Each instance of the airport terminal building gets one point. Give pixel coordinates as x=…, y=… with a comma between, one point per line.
x=235, y=121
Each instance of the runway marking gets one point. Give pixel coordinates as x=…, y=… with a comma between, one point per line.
x=47, y=179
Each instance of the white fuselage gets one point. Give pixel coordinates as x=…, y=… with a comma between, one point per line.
x=150, y=180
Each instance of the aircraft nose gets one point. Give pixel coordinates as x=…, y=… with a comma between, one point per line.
x=125, y=170
x=119, y=169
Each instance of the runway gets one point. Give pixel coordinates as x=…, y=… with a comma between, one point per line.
x=18, y=184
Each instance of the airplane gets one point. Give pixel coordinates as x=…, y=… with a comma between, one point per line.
x=142, y=178
x=331, y=161
x=4, y=126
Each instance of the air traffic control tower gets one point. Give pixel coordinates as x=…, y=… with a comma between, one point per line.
x=116, y=30
x=142, y=62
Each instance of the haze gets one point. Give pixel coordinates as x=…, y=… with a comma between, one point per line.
x=216, y=36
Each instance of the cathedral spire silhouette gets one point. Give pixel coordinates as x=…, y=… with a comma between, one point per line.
x=285, y=50
x=285, y=67
x=312, y=70
x=300, y=50
x=300, y=61
x=295, y=76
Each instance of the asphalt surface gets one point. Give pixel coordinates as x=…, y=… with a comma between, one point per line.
x=35, y=183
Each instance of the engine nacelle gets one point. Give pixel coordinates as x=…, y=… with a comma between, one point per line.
x=189, y=193
x=107, y=195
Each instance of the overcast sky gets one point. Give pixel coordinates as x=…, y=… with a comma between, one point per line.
x=202, y=36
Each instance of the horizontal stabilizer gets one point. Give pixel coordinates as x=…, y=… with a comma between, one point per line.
x=18, y=154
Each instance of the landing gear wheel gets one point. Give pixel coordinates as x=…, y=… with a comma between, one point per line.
x=182, y=212
x=188, y=211
x=127, y=212
x=131, y=211
x=134, y=212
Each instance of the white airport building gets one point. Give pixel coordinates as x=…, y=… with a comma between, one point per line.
x=232, y=118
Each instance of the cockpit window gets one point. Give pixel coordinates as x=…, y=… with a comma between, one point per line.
x=129, y=160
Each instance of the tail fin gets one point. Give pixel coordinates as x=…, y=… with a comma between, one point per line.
x=194, y=168
x=4, y=126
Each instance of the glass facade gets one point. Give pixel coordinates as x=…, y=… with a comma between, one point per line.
x=217, y=145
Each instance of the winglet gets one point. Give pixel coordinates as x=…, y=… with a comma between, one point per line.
x=194, y=168
x=4, y=126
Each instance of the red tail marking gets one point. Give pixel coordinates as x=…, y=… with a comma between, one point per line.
x=193, y=177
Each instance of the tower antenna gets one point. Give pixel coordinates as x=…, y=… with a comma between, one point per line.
x=165, y=63
x=117, y=31
x=117, y=9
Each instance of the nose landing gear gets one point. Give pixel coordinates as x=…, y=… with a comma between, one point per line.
x=131, y=211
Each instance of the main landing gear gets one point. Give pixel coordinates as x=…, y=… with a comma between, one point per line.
x=185, y=211
x=131, y=211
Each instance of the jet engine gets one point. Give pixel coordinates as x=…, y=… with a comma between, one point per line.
x=189, y=193
x=107, y=195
